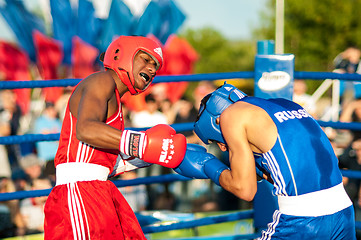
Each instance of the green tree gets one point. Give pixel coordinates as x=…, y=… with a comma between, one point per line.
x=217, y=54
x=315, y=31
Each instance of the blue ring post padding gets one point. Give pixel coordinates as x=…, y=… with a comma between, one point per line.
x=266, y=47
x=264, y=204
x=200, y=222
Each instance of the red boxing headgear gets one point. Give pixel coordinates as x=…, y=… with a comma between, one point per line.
x=120, y=54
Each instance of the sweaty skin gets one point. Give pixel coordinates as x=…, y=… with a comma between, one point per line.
x=246, y=129
x=94, y=100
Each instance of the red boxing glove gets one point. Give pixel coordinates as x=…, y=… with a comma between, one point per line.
x=164, y=146
x=159, y=144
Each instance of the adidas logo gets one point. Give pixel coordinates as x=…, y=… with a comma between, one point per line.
x=159, y=51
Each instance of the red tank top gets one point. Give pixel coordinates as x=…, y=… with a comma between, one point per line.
x=72, y=150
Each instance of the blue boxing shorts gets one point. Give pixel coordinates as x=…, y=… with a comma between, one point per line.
x=340, y=225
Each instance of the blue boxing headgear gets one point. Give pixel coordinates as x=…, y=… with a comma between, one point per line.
x=211, y=108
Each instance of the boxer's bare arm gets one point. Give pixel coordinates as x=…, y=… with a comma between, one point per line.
x=246, y=129
x=241, y=180
x=91, y=103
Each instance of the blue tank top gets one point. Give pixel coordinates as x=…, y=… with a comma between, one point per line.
x=302, y=159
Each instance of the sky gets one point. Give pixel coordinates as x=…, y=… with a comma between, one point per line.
x=234, y=19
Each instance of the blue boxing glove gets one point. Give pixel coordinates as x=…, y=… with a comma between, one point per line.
x=197, y=163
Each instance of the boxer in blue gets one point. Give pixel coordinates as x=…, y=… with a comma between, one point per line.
x=279, y=141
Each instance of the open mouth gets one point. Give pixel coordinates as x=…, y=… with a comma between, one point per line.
x=145, y=76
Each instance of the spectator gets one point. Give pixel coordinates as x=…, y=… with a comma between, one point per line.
x=149, y=117
x=166, y=107
x=61, y=103
x=5, y=169
x=11, y=222
x=301, y=97
x=136, y=196
x=32, y=209
x=31, y=165
x=159, y=92
x=185, y=113
x=351, y=160
x=10, y=114
x=348, y=61
x=165, y=200
x=203, y=88
x=48, y=123
x=351, y=112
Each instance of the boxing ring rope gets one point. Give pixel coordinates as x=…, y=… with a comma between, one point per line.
x=181, y=78
x=246, y=214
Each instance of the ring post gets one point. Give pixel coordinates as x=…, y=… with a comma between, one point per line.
x=266, y=47
x=274, y=75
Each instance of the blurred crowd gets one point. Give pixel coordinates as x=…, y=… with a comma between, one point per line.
x=30, y=166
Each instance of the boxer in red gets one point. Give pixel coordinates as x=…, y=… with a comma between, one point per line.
x=83, y=204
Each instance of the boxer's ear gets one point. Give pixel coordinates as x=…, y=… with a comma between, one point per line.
x=223, y=147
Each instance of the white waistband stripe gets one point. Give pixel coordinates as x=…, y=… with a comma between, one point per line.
x=320, y=203
x=78, y=171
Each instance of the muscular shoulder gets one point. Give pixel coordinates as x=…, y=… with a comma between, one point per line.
x=259, y=127
x=100, y=79
x=97, y=87
x=243, y=112
x=97, y=83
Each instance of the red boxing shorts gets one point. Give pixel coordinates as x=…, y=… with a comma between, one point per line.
x=89, y=210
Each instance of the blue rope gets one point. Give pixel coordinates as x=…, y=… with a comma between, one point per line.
x=39, y=83
x=117, y=183
x=351, y=173
x=326, y=75
x=247, y=214
x=150, y=180
x=133, y=182
x=179, y=127
x=157, y=79
x=341, y=125
x=224, y=237
x=203, y=77
x=17, y=139
x=180, y=78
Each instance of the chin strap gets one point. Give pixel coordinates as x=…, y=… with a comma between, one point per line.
x=125, y=78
